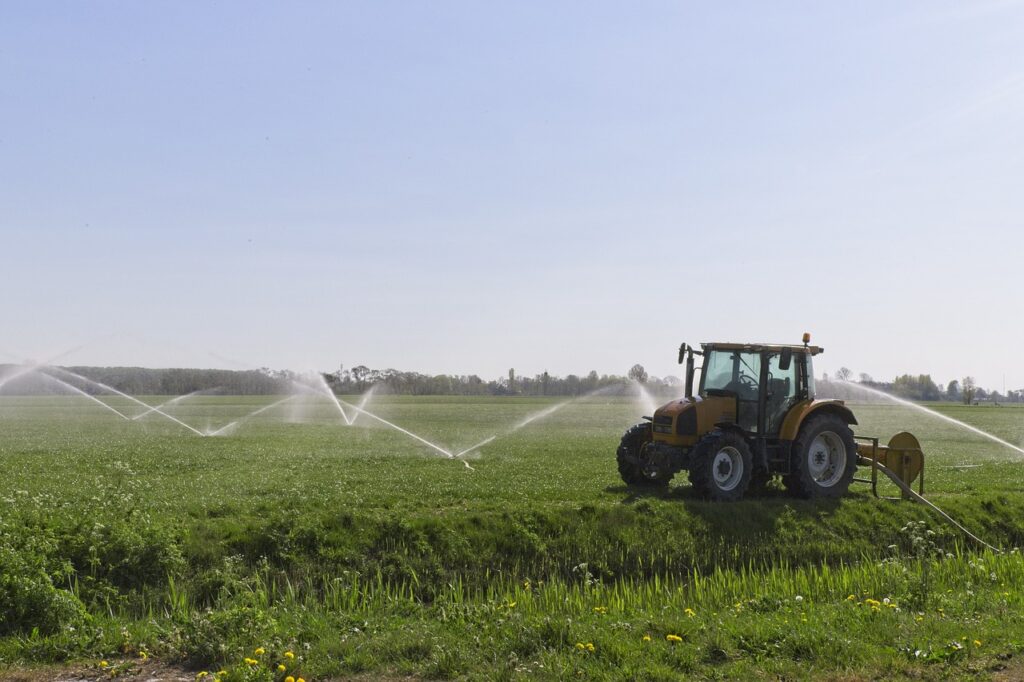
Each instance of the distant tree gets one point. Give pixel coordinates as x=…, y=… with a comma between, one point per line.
x=360, y=375
x=953, y=390
x=865, y=378
x=920, y=387
x=967, y=390
x=545, y=381
x=843, y=374
x=512, y=380
x=638, y=374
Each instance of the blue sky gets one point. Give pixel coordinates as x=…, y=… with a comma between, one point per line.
x=468, y=187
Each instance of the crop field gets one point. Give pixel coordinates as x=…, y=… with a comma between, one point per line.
x=296, y=545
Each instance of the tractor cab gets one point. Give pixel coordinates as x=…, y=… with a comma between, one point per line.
x=765, y=381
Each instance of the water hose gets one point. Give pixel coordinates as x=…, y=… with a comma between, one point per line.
x=919, y=498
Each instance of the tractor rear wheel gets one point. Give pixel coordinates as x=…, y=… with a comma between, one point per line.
x=824, y=458
x=636, y=466
x=722, y=466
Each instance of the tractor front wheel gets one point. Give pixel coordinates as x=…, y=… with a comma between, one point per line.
x=722, y=467
x=824, y=458
x=636, y=464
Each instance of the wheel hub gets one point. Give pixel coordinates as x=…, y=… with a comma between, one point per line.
x=727, y=468
x=826, y=459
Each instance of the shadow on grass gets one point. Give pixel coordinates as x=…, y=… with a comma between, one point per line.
x=740, y=521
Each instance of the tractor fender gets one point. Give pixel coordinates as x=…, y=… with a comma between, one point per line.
x=799, y=413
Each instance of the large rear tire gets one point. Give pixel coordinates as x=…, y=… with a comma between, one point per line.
x=722, y=467
x=824, y=458
x=635, y=465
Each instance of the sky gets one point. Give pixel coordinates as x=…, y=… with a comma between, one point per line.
x=465, y=187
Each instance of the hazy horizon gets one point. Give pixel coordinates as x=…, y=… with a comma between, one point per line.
x=461, y=188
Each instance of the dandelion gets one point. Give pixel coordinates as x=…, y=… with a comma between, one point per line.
x=300, y=680
x=260, y=651
x=673, y=638
x=103, y=664
x=647, y=638
x=251, y=661
x=600, y=609
x=202, y=674
x=851, y=598
x=690, y=612
x=590, y=647
x=289, y=655
x=222, y=673
x=581, y=646
x=281, y=668
x=977, y=642
x=289, y=679
x=798, y=598
x=143, y=655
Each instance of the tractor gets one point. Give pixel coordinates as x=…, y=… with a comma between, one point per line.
x=753, y=417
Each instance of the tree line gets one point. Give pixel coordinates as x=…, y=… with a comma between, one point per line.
x=355, y=380
x=358, y=379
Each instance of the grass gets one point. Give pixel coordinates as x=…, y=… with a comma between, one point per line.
x=363, y=551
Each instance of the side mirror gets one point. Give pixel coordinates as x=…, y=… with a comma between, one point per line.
x=785, y=359
x=682, y=353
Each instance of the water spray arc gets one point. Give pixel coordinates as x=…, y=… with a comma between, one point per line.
x=83, y=393
x=103, y=386
x=412, y=435
x=252, y=414
x=167, y=403
x=933, y=413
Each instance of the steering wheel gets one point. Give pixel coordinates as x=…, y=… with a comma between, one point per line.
x=745, y=384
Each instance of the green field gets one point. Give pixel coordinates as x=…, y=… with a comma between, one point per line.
x=364, y=552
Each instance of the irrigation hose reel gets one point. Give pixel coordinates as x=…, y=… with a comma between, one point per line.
x=901, y=460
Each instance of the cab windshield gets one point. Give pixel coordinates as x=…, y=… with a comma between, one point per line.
x=735, y=371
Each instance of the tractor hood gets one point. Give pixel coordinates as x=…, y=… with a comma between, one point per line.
x=683, y=421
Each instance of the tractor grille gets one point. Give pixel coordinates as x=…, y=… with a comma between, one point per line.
x=686, y=424
x=663, y=424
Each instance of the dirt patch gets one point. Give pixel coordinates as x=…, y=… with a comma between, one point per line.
x=137, y=671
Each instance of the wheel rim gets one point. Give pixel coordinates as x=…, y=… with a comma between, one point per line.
x=650, y=467
x=826, y=459
x=727, y=468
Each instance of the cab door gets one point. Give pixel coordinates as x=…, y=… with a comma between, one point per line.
x=781, y=392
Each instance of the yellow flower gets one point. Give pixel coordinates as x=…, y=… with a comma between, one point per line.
x=647, y=638
x=143, y=655
x=673, y=638
x=281, y=668
x=260, y=651
x=690, y=612
x=251, y=661
x=201, y=674
x=222, y=673
x=851, y=598
x=103, y=664
x=590, y=647
x=581, y=646
x=289, y=655
x=300, y=680
x=600, y=609
x=289, y=679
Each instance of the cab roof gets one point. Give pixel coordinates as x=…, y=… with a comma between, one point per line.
x=760, y=347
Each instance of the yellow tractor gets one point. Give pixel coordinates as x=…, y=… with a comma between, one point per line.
x=753, y=417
